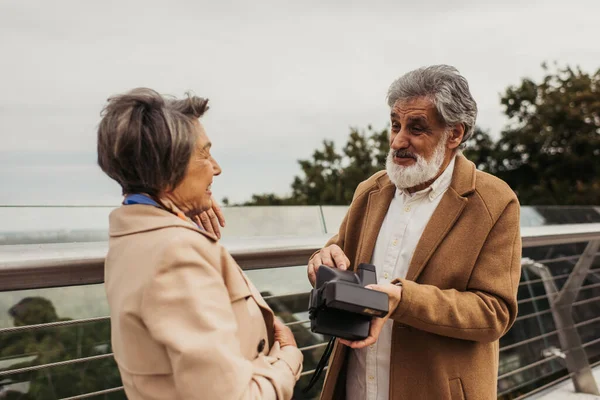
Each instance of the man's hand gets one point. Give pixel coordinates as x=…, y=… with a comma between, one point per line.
x=394, y=295
x=211, y=219
x=283, y=335
x=331, y=256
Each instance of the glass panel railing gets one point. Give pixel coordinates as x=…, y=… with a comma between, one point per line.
x=55, y=343
x=67, y=224
x=27, y=307
x=272, y=221
x=332, y=217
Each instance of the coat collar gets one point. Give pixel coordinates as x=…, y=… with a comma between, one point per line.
x=442, y=220
x=137, y=218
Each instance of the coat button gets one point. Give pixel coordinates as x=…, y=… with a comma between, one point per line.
x=261, y=345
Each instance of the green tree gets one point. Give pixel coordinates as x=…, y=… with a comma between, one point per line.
x=550, y=151
x=330, y=177
x=49, y=345
x=480, y=148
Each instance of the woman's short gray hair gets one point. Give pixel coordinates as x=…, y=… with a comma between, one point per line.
x=145, y=140
x=445, y=87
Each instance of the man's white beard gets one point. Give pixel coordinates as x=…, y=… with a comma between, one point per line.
x=420, y=172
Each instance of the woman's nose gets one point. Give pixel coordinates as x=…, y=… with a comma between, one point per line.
x=216, y=167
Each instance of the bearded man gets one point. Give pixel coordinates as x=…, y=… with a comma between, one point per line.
x=445, y=240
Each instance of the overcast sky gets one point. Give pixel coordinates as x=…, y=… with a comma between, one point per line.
x=281, y=76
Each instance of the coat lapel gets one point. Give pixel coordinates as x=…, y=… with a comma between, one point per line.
x=445, y=215
x=267, y=312
x=377, y=207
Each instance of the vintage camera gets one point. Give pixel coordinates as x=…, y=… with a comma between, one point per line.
x=341, y=306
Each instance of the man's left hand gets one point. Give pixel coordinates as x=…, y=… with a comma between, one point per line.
x=394, y=295
x=211, y=220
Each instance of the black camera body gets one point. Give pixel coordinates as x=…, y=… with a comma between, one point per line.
x=341, y=306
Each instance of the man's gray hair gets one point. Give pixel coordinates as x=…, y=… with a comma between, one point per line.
x=145, y=140
x=445, y=87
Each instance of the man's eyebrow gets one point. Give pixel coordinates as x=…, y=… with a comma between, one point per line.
x=418, y=120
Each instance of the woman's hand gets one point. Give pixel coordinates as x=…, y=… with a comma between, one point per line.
x=211, y=220
x=283, y=334
x=394, y=295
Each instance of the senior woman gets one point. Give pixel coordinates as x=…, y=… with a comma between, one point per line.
x=186, y=322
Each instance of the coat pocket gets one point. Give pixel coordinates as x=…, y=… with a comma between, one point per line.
x=456, y=389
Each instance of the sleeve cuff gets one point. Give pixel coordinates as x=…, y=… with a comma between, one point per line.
x=405, y=301
x=291, y=356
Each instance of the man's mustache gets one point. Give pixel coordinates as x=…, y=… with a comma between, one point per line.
x=405, y=154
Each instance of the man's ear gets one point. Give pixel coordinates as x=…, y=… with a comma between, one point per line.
x=456, y=136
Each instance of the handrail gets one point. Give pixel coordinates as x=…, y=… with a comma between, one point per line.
x=66, y=264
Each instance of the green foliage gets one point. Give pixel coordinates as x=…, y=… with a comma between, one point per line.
x=50, y=345
x=331, y=177
x=549, y=153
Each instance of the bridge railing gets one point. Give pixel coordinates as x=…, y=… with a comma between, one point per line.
x=47, y=355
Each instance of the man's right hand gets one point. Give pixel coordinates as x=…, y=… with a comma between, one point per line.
x=331, y=256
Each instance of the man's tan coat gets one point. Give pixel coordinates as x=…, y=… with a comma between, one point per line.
x=459, y=296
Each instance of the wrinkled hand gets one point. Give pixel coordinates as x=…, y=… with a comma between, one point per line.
x=211, y=220
x=331, y=256
x=283, y=334
x=394, y=295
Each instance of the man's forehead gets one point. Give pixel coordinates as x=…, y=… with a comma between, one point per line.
x=420, y=107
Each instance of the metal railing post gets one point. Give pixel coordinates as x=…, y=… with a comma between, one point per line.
x=561, y=303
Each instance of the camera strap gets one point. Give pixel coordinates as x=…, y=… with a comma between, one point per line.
x=321, y=365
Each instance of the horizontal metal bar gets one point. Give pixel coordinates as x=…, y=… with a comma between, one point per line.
x=314, y=346
x=529, y=382
x=591, y=343
x=533, y=339
x=542, y=279
x=545, y=296
x=543, y=387
x=92, y=394
x=549, y=311
x=526, y=367
x=526, y=341
x=56, y=364
x=305, y=321
x=312, y=371
x=532, y=281
x=550, y=384
x=67, y=264
x=25, y=328
x=309, y=372
x=558, y=259
x=278, y=296
x=549, y=235
x=22, y=328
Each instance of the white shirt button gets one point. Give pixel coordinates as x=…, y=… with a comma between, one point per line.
x=395, y=242
x=371, y=377
x=407, y=208
x=385, y=275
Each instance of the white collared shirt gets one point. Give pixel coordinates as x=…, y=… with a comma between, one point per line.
x=369, y=368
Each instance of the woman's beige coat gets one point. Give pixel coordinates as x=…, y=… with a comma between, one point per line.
x=186, y=322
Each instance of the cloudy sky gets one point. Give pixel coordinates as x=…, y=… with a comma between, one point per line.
x=281, y=76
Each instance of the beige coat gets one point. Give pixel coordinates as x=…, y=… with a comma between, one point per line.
x=459, y=296
x=186, y=323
